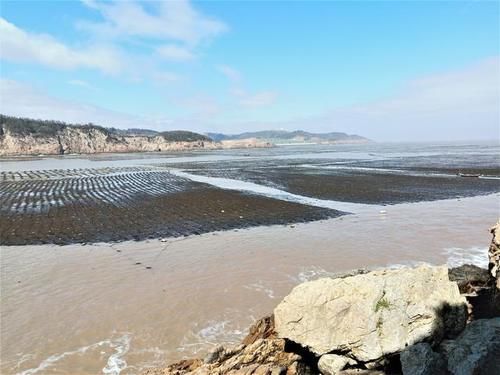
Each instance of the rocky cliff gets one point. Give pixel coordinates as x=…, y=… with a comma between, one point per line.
x=413, y=321
x=34, y=137
x=89, y=141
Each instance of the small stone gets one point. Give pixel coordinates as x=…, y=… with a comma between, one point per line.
x=214, y=355
x=331, y=364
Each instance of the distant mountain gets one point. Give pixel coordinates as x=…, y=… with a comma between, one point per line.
x=297, y=136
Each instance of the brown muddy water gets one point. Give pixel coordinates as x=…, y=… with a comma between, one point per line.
x=99, y=308
x=119, y=307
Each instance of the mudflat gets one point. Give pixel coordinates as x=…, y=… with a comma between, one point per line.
x=134, y=197
x=113, y=205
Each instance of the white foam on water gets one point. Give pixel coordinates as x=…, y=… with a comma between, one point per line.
x=315, y=272
x=458, y=256
x=115, y=363
x=260, y=287
x=312, y=273
x=214, y=333
x=407, y=264
x=230, y=184
x=213, y=330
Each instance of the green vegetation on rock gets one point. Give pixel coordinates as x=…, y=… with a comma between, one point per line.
x=23, y=127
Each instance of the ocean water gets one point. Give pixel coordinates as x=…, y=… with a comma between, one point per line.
x=97, y=308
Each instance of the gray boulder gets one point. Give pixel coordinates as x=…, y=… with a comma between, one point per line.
x=371, y=315
x=420, y=359
x=476, y=350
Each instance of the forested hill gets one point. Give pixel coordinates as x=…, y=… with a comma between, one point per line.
x=22, y=136
x=47, y=128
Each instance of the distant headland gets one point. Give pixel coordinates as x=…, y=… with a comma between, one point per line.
x=24, y=136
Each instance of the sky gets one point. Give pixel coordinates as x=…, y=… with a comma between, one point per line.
x=387, y=70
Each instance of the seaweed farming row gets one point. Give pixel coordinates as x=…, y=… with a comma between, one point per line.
x=67, y=173
x=131, y=205
x=115, y=188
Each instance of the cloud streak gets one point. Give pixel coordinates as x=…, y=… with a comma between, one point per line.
x=172, y=52
x=171, y=20
x=18, y=45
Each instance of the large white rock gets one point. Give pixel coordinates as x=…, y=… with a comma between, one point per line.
x=370, y=315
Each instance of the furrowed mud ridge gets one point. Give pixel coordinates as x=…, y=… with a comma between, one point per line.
x=129, y=204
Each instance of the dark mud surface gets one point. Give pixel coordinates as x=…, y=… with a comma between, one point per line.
x=361, y=182
x=58, y=207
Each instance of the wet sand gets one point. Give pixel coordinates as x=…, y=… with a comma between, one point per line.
x=81, y=309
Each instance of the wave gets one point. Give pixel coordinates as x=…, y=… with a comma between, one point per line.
x=475, y=255
x=115, y=363
x=260, y=287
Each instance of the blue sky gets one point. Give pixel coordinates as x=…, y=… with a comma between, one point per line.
x=405, y=70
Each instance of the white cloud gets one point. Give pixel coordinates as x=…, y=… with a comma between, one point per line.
x=80, y=83
x=18, y=99
x=230, y=73
x=22, y=46
x=177, y=26
x=259, y=99
x=172, y=52
x=165, y=77
x=171, y=20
